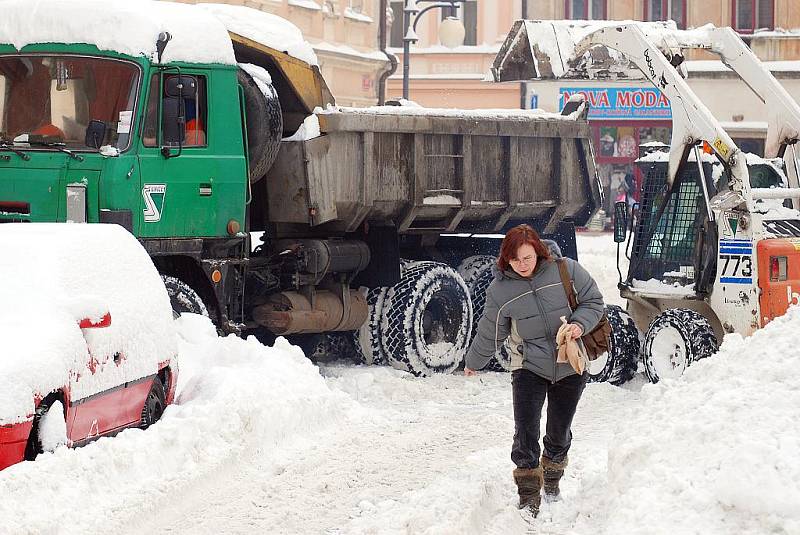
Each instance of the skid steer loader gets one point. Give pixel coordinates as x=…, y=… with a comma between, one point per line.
x=715, y=247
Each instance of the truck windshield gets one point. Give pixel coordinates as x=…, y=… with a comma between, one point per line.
x=57, y=96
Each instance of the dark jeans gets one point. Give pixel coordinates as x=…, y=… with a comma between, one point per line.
x=529, y=391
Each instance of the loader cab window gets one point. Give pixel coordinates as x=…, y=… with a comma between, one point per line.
x=194, y=109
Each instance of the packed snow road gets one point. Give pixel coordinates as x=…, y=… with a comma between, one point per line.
x=261, y=442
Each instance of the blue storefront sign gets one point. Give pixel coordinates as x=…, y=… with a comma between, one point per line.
x=621, y=102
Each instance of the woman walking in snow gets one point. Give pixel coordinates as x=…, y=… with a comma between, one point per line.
x=524, y=304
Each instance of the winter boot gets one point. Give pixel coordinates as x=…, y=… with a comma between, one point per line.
x=529, y=485
x=552, y=472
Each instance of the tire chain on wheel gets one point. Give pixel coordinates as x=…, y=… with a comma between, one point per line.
x=481, y=276
x=472, y=265
x=696, y=331
x=367, y=341
x=404, y=347
x=623, y=354
x=182, y=296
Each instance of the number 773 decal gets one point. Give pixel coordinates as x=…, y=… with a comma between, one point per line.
x=153, y=195
x=735, y=261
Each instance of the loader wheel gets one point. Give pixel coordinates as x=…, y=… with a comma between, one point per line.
x=674, y=339
x=427, y=319
x=154, y=404
x=183, y=298
x=264, y=124
x=618, y=365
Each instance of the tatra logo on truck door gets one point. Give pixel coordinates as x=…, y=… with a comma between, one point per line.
x=153, y=195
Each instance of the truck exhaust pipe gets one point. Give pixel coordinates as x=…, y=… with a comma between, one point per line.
x=293, y=313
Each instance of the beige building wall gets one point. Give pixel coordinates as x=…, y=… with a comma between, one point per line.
x=344, y=34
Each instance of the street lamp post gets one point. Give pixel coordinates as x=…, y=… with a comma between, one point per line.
x=451, y=31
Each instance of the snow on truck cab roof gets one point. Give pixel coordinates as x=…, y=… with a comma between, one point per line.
x=199, y=33
x=54, y=276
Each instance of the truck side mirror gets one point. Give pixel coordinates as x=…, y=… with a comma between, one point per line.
x=95, y=134
x=620, y=221
x=173, y=124
x=180, y=86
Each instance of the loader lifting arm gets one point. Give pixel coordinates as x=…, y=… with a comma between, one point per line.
x=691, y=119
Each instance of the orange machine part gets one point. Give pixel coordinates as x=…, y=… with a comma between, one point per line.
x=776, y=296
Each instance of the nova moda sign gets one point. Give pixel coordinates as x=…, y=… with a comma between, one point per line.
x=620, y=102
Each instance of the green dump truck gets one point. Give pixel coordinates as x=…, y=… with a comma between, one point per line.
x=196, y=127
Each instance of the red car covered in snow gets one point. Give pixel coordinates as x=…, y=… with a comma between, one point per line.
x=87, y=340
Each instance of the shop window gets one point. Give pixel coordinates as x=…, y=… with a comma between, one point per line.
x=751, y=15
x=586, y=9
x=618, y=142
x=396, y=34
x=468, y=13
x=655, y=10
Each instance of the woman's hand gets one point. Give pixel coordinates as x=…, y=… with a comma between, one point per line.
x=575, y=330
x=469, y=372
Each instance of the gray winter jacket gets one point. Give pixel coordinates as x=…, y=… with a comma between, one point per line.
x=528, y=311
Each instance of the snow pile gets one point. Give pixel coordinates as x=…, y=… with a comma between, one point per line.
x=715, y=451
x=235, y=397
x=479, y=114
x=308, y=130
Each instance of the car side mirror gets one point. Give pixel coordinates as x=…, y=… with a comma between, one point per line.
x=95, y=134
x=89, y=323
x=620, y=221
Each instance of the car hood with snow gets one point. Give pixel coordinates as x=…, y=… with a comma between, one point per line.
x=57, y=276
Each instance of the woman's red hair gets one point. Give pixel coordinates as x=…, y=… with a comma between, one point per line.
x=516, y=238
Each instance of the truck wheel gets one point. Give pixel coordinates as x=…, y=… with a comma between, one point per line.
x=674, y=339
x=367, y=339
x=472, y=265
x=326, y=347
x=183, y=298
x=480, y=276
x=154, y=404
x=264, y=124
x=618, y=365
x=427, y=319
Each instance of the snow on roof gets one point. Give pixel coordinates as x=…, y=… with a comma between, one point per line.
x=265, y=28
x=518, y=114
x=61, y=274
x=125, y=26
x=199, y=32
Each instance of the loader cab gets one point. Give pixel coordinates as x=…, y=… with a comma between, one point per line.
x=675, y=243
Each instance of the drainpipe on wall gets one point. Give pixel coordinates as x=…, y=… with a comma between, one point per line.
x=523, y=98
x=382, y=38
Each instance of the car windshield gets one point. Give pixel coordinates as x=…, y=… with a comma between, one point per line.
x=56, y=97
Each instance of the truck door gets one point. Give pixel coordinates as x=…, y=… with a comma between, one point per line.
x=189, y=186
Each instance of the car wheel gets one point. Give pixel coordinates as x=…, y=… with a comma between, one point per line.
x=154, y=404
x=674, y=339
x=49, y=429
x=618, y=365
x=427, y=319
x=183, y=298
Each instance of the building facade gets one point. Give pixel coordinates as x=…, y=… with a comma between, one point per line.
x=344, y=34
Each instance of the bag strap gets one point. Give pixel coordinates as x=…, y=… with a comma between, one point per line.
x=567, y=283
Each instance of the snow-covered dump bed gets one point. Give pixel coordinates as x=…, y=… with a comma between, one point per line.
x=436, y=170
x=199, y=33
x=57, y=275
